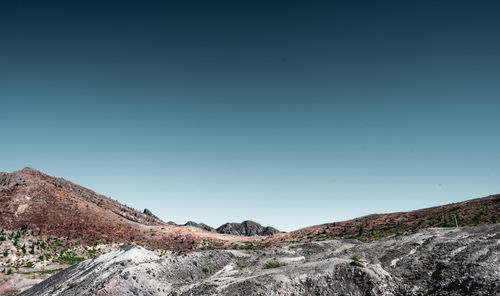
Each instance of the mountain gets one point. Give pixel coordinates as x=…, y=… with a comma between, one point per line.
x=48, y=224
x=435, y=261
x=247, y=228
x=36, y=194
x=34, y=203
x=54, y=207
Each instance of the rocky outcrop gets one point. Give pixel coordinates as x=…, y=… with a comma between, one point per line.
x=247, y=228
x=150, y=214
x=435, y=261
x=200, y=226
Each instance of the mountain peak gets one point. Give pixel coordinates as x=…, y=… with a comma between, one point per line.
x=247, y=228
x=58, y=207
x=29, y=170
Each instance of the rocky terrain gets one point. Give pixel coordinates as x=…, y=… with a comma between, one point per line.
x=45, y=227
x=434, y=261
x=48, y=224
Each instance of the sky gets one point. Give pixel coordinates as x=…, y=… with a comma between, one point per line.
x=289, y=113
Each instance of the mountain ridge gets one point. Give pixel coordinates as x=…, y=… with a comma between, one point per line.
x=245, y=228
x=50, y=223
x=24, y=192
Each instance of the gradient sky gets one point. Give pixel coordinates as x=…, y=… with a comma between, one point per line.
x=289, y=113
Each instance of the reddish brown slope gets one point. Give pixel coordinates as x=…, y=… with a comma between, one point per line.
x=42, y=192
x=48, y=206
x=485, y=210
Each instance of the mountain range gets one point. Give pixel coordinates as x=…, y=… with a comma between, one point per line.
x=48, y=224
x=246, y=228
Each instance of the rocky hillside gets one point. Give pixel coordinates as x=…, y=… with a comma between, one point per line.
x=479, y=211
x=434, y=261
x=39, y=192
x=48, y=207
x=45, y=207
x=47, y=224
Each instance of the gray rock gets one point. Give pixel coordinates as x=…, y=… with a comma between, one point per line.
x=435, y=261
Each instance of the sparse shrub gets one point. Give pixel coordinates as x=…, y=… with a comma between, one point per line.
x=24, y=249
x=70, y=258
x=355, y=257
x=5, y=254
x=29, y=264
x=274, y=264
x=40, y=257
x=206, y=269
x=9, y=272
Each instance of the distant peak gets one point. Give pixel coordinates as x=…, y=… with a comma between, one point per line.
x=29, y=170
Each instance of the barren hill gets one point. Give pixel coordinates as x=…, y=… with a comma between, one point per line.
x=48, y=206
x=41, y=205
x=485, y=210
x=36, y=200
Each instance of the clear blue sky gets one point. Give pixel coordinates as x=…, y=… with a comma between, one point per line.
x=290, y=113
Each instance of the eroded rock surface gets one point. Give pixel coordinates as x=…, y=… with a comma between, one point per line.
x=435, y=261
